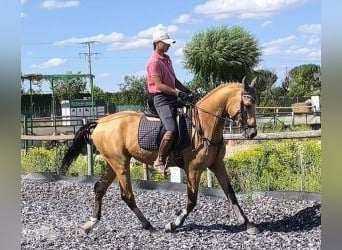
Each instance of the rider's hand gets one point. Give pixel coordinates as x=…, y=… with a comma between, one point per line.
x=184, y=97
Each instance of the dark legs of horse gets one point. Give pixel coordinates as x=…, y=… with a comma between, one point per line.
x=222, y=177
x=100, y=189
x=192, y=192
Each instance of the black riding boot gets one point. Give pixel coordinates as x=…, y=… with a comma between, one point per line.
x=165, y=145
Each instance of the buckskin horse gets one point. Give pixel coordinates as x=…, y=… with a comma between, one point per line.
x=116, y=138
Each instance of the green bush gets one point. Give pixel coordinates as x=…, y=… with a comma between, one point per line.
x=80, y=166
x=40, y=159
x=277, y=165
x=267, y=166
x=137, y=173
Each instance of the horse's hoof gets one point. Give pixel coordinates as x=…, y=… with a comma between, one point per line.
x=150, y=228
x=252, y=229
x=169, y=227
x=87, y=230
x=89, y=225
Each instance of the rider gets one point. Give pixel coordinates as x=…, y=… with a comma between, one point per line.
x=165, y=88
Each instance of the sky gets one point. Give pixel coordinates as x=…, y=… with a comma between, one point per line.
x=54, y=33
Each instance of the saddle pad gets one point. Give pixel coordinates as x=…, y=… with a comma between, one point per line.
x=151, y=132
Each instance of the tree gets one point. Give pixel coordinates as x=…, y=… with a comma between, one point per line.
x=199, y=87
x=132, y=91
x=98, y=93
x=72, y=88
x=221, y=55
x=266, y=80
x=264, y=85
x=304, y=80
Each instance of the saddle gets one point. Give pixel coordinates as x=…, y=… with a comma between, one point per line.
x=151, y=131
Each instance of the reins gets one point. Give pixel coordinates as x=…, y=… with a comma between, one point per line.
x=195, y=123
x=207, y=112
x=198, y=128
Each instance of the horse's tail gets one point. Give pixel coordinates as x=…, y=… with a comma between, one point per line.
x=82, y=136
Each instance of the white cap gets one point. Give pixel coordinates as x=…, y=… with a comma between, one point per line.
x=163, y=36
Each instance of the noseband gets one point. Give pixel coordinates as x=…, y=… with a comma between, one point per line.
x=243, y=113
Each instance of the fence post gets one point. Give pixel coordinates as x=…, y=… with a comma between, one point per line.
x=146, y=174
x=90, y=159
x=210, y=178
x=293, y=119
x=302, y=167
x=25, y=132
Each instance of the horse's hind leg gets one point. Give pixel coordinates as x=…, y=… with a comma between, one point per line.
x=100, y=189
x=222, y=177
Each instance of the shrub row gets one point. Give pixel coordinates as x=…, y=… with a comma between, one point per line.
x=288, y=165
x=42, y=159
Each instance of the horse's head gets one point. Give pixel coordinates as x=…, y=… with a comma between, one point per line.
x=244, y=113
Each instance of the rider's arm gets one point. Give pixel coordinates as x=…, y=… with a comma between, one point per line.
x=163, y=87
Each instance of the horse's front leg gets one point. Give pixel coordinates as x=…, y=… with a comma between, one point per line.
x=127, y=195
x=221, y=174
x=100, y=189
x=193, y=177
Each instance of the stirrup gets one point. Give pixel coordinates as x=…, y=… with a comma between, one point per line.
x=161, y=167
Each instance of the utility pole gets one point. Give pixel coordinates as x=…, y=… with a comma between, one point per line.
x=88, y=55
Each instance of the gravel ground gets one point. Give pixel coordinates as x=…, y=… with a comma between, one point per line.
x=53, y=211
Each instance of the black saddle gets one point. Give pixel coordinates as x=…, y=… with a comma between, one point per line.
x=150, y=110
x=151, y=131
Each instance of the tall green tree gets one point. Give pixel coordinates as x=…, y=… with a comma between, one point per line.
x=304, y=80
x=220, y=55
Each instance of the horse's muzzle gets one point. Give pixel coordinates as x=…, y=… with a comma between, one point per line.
x=250, y=133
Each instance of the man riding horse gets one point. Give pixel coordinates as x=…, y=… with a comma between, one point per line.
x=164, y=86
x=115, y=137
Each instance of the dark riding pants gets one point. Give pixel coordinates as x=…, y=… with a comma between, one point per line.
x=166, y=107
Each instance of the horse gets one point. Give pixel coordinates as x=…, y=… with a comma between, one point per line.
x=115, y=137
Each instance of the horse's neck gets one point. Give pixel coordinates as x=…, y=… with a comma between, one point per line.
x=211, y=113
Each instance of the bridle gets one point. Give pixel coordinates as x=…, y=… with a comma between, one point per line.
x=243, y=114
x=242, y=117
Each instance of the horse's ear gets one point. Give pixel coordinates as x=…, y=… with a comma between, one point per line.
x=253, y=82
x=244, y=81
